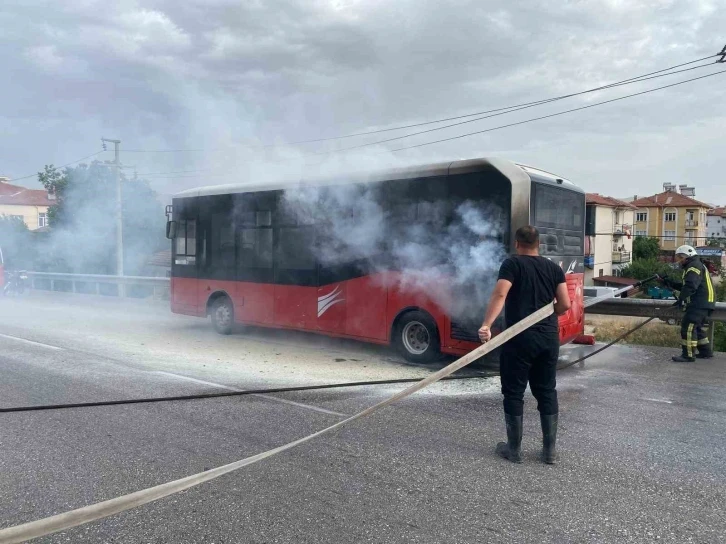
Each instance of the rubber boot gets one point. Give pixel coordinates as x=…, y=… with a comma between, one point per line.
x=704, y=352
x=684, y=357
x=549, y=438
x=512, y=448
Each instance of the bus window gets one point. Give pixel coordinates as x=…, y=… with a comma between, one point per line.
x=558, y=208
x=255, y=248
x=222, y=244
x=295, y=262
x=185, y=244
x=295, y=248
x=559, y=215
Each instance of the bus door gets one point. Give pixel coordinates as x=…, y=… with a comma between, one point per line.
x=184, y=263
x=296, y=277
x=335, y=285
x=255, y=291
x=217, y=249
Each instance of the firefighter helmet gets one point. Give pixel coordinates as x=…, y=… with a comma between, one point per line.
x=688, y=251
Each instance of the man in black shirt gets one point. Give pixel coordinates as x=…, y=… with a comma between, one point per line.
x=528, y=282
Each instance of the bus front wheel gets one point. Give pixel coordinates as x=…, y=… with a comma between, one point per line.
x=222, y=315
x=416, y=337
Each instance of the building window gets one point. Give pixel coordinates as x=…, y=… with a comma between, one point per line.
x=670, y=236
x=670, y=217
x=641, y=233
x=641, y=217
x=42, y=220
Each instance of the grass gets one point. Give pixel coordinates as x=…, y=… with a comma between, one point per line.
x=653, y=334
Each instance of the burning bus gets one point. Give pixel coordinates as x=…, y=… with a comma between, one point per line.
x=241, y=256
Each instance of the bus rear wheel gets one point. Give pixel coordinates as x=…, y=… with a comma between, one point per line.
x=222, y=315
x=416, y=337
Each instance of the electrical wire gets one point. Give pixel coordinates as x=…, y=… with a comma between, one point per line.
x=492, y=129
x=495, y=112
x=59, y=167
x=553, y=114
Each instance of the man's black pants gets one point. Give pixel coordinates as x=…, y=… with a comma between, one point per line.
x=530, y=356
x=694, y=330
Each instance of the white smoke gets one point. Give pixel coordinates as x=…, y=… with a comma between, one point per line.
x=449, y=253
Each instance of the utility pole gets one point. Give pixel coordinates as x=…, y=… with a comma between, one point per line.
x=119, y=215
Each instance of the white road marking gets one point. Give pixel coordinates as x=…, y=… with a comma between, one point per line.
x=23, y=340
x=268, y=397
x=664, y=401
x=212, y=384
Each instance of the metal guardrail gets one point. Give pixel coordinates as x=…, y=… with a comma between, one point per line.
x=633, y=307
x=636, y=307
x=54, y=280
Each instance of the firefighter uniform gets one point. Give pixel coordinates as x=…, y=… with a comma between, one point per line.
x=696, y=296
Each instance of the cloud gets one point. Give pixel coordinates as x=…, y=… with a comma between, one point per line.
x=227, y=76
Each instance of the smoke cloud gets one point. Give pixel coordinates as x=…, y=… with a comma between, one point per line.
x=450, y=252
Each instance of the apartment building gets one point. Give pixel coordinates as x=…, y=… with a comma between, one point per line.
x=608, y=236
x=674, y=216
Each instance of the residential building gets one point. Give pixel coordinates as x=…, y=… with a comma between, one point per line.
x=716, y=223
x=608, y=236
x=674, y=216
x=29, y=205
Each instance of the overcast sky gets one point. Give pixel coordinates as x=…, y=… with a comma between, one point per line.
x=221, y=77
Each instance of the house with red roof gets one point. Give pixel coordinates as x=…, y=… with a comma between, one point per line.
x=608, y=236
x=28, y=205
x=674, y=216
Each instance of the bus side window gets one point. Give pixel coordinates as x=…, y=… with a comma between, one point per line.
x=295, y=250
x=222, y=243
x=255, y=248
x=185, y=243
x=253, y=216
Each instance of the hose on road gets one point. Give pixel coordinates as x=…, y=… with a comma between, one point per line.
x=199, y=396
x=110, y=507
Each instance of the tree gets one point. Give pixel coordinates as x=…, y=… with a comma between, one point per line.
x=83, y=221
x=645, y=268
x=15, y=242
x=645, y=247
x=713, y=242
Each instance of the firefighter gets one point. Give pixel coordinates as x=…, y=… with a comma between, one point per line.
x=696, y=296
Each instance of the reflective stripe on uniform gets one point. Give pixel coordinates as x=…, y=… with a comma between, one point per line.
x=692, y=269
x=689, y=340
x=709, y=286
x=702, y=342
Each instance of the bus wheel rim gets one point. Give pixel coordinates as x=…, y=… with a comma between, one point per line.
x=415, y=337
x=222, y=315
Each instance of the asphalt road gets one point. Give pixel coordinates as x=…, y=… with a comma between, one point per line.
x=642, y=446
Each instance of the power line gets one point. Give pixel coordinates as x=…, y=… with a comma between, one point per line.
x=476, y=132
x=552, y=114
x=497, y=111
x=613, y=85
x=59, y=167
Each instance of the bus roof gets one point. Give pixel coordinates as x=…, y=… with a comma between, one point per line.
x=511, y=170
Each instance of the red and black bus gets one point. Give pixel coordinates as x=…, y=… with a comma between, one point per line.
x=238, y=258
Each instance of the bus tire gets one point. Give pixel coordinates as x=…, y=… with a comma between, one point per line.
x=416, y=337
x=222, y=315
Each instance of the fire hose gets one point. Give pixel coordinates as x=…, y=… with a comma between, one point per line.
x=94, y=512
